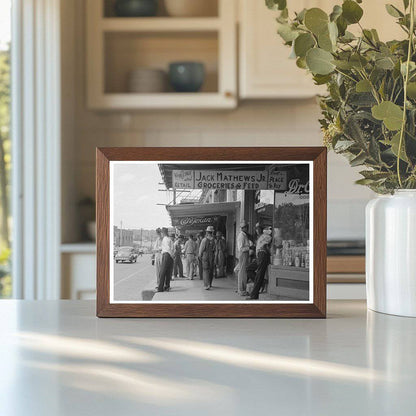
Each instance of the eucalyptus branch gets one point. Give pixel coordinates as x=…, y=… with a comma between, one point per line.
x=346, y=75
x=406, y=80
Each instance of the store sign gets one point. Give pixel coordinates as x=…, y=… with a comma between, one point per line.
x=195, y=221
x=232, y=180
x=297, y=187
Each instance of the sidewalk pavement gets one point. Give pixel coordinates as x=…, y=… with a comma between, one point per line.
x=223, y=289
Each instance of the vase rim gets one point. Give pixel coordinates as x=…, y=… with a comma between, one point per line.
x=405, y=191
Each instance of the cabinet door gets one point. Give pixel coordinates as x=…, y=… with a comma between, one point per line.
x=265, y=68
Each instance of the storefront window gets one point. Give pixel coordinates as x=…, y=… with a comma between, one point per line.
x=291, y=225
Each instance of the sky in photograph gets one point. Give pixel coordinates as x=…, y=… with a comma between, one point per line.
x=4, y=23
x=136, y=195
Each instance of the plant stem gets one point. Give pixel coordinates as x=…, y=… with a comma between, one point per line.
x=406, y=80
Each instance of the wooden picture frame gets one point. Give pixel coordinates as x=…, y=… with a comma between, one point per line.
x=315, y=307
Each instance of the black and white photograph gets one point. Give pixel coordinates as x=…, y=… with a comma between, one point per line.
x=204, y=232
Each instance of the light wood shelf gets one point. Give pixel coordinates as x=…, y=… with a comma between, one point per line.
x=131, y=101
x=159, y=24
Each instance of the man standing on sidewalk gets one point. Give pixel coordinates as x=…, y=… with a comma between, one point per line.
x=190, y=255
x=220, y=250
x=206, y=254
x=177, y=258
x=198, y=242
x=167, y=262
x=157, y=251
x=263, y=261
x=243, y=245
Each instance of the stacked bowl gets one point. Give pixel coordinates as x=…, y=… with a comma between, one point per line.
x=147, y=80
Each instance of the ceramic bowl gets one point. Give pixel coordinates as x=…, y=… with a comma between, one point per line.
x=147, y=80
x=135, y=8
x=186, y=76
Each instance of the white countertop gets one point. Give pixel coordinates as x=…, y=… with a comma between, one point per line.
x=57, y=359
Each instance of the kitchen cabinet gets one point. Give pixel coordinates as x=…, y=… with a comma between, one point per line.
x=265, y=70
x=116, y=46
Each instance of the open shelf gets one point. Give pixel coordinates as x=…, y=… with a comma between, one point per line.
x=108, y=9
x=127, y=51
x=116, y=46
x=160, y=24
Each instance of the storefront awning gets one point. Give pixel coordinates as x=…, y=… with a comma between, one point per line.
x=198, y=210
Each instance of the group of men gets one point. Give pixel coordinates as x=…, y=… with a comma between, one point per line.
x=206, y=254
x=206, y=257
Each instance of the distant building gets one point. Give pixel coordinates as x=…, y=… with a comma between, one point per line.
x=123, y=237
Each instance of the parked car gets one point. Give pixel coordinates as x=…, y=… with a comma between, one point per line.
x=126, y=255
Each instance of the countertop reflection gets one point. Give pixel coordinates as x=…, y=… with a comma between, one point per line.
x=56, y=358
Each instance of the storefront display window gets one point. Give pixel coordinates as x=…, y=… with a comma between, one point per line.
x=291, y=225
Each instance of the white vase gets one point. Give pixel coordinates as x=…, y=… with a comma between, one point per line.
x=391, y=253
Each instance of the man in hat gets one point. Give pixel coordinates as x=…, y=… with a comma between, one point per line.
x=206, y=254
x=177, y=258
x=157, y=251
x=167, y=261
x=219, y=260
x=199, y=239
x=243, y=246
x=263, y=261
x=190, y=255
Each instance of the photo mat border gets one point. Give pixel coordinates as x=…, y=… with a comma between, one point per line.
x=287, y=162
x=314, y=308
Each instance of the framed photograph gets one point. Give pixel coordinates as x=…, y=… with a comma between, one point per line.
x=211, y=232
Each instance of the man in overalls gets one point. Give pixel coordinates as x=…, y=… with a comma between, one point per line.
x=206, y=254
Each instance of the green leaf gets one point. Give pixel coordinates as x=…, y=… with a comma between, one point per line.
x=406, y=4
x=351, y=11
x=336, y=12
x=321, y=79
x=363, y=86
x=375, y=35
x=286, y=32
x=301, y=63
x=364, y=181
x=393, y=11
x=276, y=4
x=342, y=25
x=316, y=20
x=391, y=114
x=411, y=90
x=343, y=145
x=343, y=65
x=359, y=160
x=303, y=43
x=394, y=144
x=319, y=61
x=358, y=61
x=374, y=150
x=385, y=63
x=374, y=175
x=300, y=17
x=325, y=43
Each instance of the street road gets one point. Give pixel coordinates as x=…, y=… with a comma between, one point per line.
x=131, y=278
